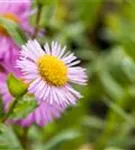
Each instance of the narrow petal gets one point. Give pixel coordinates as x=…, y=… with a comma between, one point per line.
x=47, y=49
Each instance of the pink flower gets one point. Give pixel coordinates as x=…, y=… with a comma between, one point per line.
x=17, y=11
x=49, y=73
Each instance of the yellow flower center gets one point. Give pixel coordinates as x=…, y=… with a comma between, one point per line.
x=9, y=16
x=53, y=70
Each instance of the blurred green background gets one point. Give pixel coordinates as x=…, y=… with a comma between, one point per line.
x=102, y=35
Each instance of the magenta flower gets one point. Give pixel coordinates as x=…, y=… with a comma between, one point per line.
x=49, y=73
x=17, y=11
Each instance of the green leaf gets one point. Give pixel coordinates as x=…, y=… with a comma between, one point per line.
x=15, y=86
x=8, y=140
x=14, y=31
x=25, y=105
x=111, y=86
x=60, y=138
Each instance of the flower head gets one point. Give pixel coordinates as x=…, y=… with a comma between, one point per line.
x=49, y=72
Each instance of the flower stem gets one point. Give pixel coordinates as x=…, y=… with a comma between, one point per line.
x=37, y=20
x=10, y=110
x=24, y=139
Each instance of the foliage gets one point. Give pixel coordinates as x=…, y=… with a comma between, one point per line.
x=102, y=35
x=15, y=86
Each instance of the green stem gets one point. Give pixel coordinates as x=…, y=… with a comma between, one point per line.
x=10, y=110
x=24, y=139
x=37, y=20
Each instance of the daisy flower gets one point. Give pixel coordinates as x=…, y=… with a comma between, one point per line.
x=50, y=71
x=43, y=114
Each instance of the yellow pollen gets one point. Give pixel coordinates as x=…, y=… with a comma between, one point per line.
x=53, y=70
x=9, y=16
